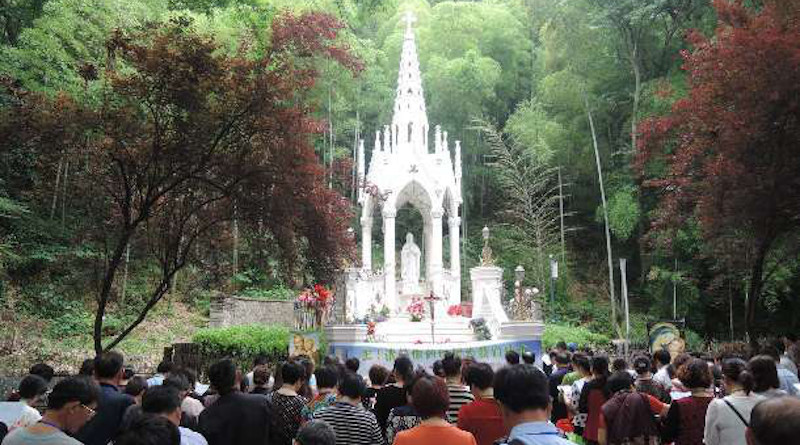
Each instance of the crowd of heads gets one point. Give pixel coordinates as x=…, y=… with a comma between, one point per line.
x=767, y=370
x=522, y=389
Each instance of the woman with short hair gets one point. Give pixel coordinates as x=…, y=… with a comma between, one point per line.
x=377, y=379
x=431, y=400
x=327, y=379
x=482, y=417
x=685, y=420
x=765, y=376
x=287, y=404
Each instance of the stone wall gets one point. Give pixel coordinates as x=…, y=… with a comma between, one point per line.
x=227, y=310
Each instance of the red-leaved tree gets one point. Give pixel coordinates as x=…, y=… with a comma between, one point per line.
x=185, y=139
x=728, y=155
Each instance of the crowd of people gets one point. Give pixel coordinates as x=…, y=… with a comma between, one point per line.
x=573, y=396
x=686, y=399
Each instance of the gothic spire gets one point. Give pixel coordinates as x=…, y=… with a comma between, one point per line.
x=410, y=120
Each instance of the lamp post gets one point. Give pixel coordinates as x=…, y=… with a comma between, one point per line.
x=486, y=253
x=553, y=278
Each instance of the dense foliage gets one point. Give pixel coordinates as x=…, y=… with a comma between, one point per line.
x=183, y=140
x=726, y=155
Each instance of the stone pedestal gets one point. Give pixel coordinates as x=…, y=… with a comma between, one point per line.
x=487, y=286
x=521, y=330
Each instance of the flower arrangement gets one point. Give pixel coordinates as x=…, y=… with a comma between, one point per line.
x=416, y=309
x=371, y=331
x=312, y=307
x=455, y=310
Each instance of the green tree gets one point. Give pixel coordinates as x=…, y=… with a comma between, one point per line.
x=16, y=15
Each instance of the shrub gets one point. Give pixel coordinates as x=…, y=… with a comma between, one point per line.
x=276, y=293
x=244, y=343
x=554, y=333
x=694, y=342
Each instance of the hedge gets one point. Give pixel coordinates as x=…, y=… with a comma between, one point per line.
x=244, y=343
x=554, y=333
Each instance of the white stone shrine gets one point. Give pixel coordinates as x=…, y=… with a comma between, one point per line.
x=410, y=164
x=408, y=167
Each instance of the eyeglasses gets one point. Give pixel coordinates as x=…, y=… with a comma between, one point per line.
x=89, y=411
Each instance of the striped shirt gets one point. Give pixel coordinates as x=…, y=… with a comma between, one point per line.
x=459, y=396
x=353, y=425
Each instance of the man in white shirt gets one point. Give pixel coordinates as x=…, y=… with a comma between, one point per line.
x=166, y=401
x=71, y=404
x=21, y=414
x=786, y=378
x=662, y=360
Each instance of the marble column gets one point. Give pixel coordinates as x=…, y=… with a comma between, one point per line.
x=426, y=233
x=455, y=246
x=436, y=250
x=366, y=243
x=390, y=283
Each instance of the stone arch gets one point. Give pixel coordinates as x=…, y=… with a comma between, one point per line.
x=417, y=194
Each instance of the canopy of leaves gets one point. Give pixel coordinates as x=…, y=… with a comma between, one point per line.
x=728, y=145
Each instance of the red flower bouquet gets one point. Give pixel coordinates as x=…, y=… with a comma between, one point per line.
x=455, y=310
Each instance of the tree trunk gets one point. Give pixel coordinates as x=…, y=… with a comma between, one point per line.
x=330, y=140
x=105, y=291
x=605, y=216
x=637, y=92
x=156, y=296
x=55, y=191
x=125, y=274
x=561, y=217
x=64, y=195
x=235, y=231
x=756, y=284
